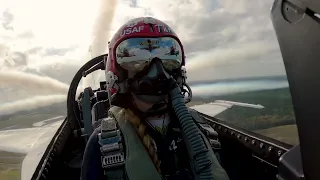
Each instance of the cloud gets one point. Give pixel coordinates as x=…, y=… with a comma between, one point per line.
x=7, y=19
x=42, y=48
x=217, y=35
x=41, y=39
x=102, y=27
x=213, y=32
x=31, y=103
x=222, y=38
x=226, y=88
x=32, y=82
x=57, y=51
x=229, y=55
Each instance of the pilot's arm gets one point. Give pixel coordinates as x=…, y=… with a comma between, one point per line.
x=91, y=165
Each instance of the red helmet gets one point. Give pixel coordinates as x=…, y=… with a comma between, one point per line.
x=140, y=40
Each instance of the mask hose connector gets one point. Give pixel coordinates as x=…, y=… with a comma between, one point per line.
x=197, y=149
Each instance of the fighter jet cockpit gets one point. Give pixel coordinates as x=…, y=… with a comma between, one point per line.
x=195, y=91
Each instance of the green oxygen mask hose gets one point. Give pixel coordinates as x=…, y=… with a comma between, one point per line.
x=198, y=150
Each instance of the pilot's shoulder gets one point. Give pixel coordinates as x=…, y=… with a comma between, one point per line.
x=115, y=110
x=122, y=115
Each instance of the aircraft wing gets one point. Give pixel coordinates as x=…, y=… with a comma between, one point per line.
x=30, y=141
x=24, y=140
x=214, y=108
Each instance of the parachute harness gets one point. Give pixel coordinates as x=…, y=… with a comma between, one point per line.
x=112, y=153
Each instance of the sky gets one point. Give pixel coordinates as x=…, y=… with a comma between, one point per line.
x=222, y=39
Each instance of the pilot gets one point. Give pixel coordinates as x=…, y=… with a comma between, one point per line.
x=140, y=86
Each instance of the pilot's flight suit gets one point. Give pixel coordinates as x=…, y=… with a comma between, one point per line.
x=171, y=152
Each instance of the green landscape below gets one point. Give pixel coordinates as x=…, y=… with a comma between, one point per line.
x=276, y=120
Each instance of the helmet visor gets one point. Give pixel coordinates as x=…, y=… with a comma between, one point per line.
x=136, y=53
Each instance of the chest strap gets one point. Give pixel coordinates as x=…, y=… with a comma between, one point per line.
x=112, y=153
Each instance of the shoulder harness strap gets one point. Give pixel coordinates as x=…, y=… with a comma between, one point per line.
x=138, y=164
x=112, y=154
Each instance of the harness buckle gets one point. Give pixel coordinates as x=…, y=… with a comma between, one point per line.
x=113, y=160
x=112, y=154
